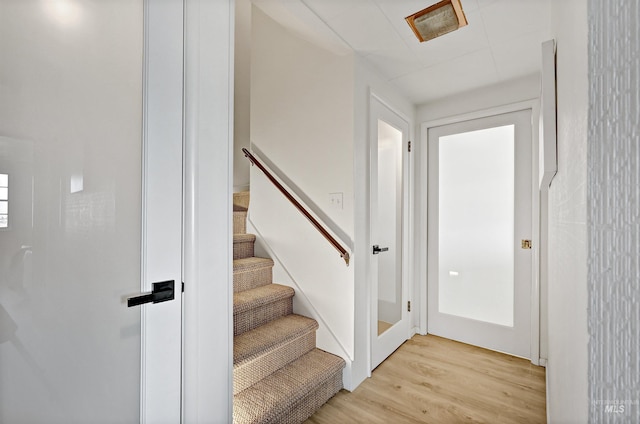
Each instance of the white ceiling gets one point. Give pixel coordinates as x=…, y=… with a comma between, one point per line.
x=501, y=42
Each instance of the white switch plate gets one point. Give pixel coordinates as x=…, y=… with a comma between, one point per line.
x=336, y=200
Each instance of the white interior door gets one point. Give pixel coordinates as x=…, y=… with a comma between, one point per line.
x=389, y=238
x=479, y=224
x=91, y=187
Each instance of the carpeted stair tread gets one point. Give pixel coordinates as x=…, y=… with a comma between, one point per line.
x=264, y=338
x=244, y=238
x=249, y=264
x=251, y=299
x=272, y=398
x=238, y=208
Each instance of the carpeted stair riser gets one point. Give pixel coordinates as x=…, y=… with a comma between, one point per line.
x=250, y=273
x=253, y=308
x=243, y=246
x=239, y=220
x=250, y=372
x=241, y=199
x=291, y=394
x=264, y=350
x=249, y=320
x=308, y=405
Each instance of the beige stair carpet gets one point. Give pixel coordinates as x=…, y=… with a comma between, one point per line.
x=279, y=376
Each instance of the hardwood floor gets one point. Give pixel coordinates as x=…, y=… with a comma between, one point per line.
x=430, y=379
x=383, y=326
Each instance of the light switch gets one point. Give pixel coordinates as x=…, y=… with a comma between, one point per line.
x=336, y=200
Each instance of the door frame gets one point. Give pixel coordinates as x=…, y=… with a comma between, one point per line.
x=207, y=356
x=422, y=209
x=199, y=38
x=407, y=234
x=162, y=170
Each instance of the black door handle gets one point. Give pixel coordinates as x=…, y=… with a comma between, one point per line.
x=377, y=249
x=161, y=292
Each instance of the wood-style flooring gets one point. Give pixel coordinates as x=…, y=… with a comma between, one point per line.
x=430, y=379
x=383, y=326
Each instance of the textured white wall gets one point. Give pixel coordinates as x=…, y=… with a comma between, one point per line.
x=567, y=400
x=614, y=211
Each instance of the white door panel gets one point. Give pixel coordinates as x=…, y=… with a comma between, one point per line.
x=389, y=211
x=479, y=276
x=72, y=78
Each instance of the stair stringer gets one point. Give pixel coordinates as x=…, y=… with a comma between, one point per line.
x=325, y=338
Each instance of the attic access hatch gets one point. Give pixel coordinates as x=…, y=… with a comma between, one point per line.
x=437, y=20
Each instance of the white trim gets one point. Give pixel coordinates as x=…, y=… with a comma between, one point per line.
x=535, y=236
x=482, y=113
x=548, y=159
x=389, y=105
x=208, y=275
x=534, y=105
x=161, y=260
x=422, y=156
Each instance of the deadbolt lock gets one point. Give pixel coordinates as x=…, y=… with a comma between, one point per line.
x=526, y=244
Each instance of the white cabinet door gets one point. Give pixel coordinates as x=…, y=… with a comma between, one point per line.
x=91, y=154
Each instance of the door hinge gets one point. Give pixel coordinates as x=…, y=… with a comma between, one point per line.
x=409, y=146
x=409, y=306
x=183, y=287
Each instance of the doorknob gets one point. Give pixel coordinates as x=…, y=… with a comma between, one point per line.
x=161, y=292
x=377, y=249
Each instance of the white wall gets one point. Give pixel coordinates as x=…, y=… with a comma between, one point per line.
x=302, y=126
x=567, y=366
x=302, y=114
x=505, y=93
x=242, y=94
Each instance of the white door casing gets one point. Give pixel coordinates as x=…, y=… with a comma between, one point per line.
x=161, y=349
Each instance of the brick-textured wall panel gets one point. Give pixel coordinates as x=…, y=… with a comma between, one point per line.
x=614, y=211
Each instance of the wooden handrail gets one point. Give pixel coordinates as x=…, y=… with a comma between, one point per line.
x=343, y=252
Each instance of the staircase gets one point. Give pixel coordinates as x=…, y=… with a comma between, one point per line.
x=279, y=376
